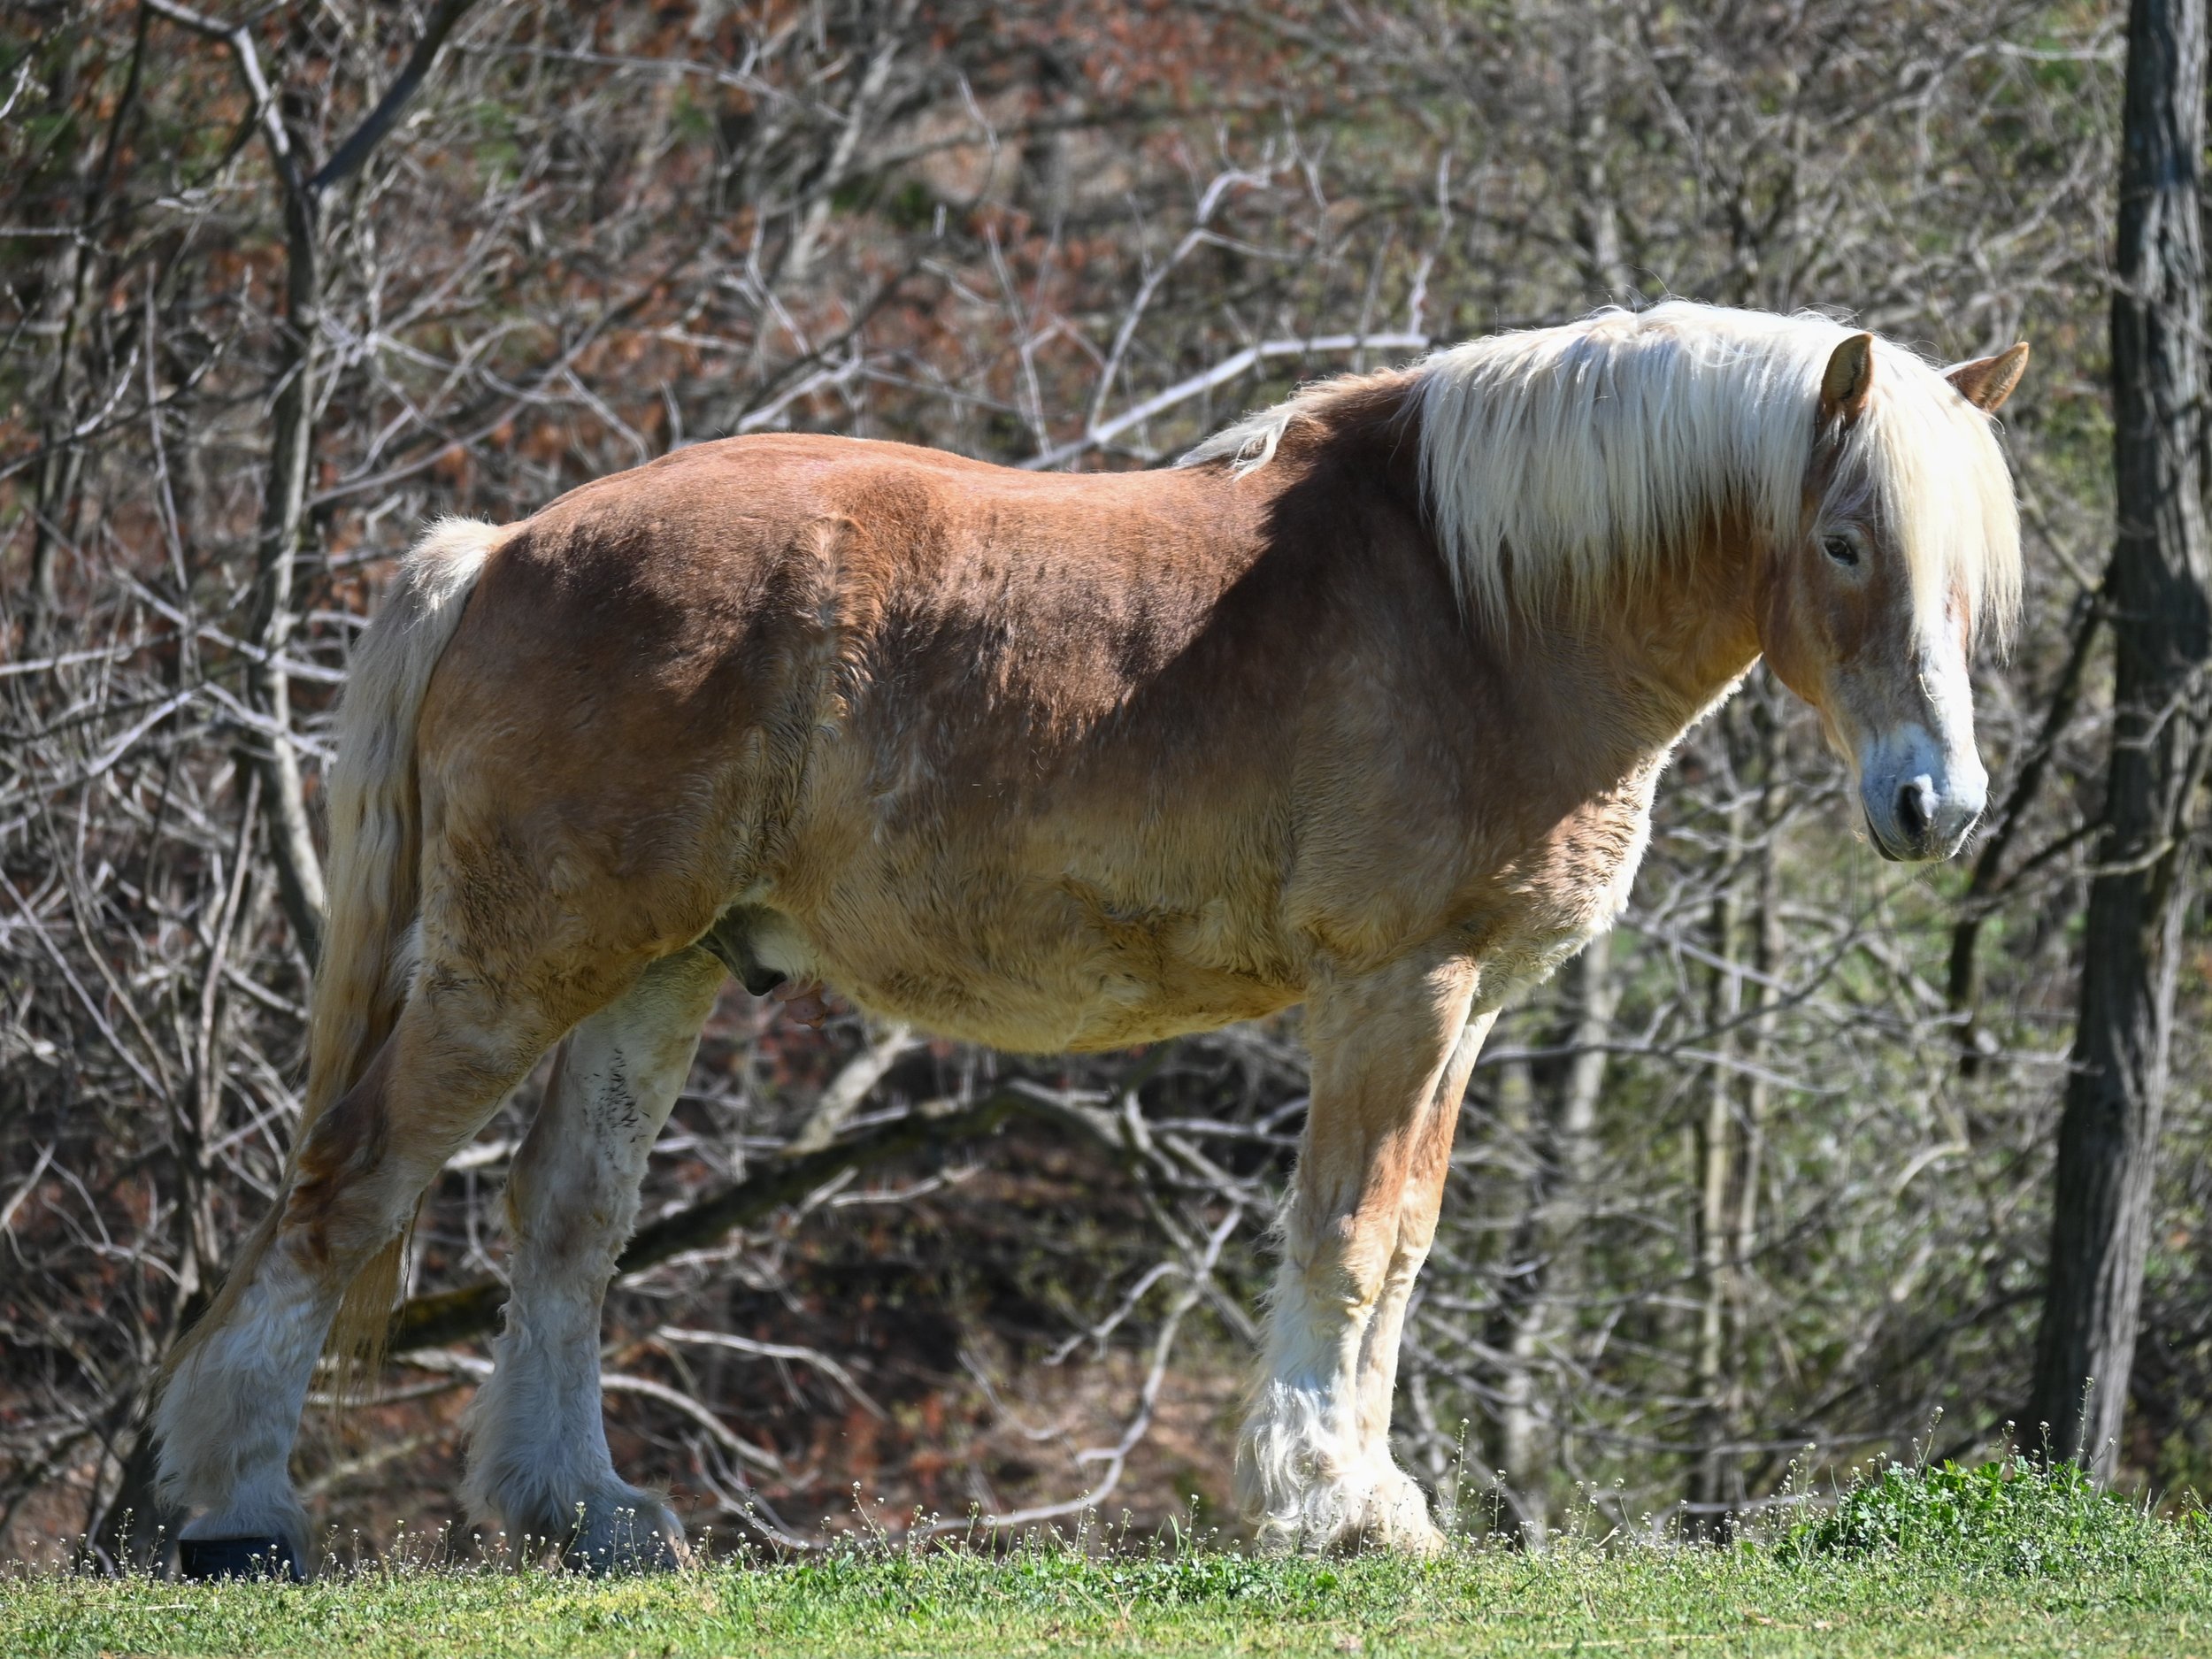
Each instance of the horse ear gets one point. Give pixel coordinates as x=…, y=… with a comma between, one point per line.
x=1848, y=380
x=1986, y=382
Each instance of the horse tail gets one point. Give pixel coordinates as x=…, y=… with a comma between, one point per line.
x=375, y=859
x=369, y=943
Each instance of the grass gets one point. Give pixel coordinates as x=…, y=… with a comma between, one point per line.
x=1911, y=1562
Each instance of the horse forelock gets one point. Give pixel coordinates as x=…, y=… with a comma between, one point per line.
x=1569, y=461
x=1932, y=462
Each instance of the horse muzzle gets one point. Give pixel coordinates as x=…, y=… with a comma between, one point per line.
x=1917, y=807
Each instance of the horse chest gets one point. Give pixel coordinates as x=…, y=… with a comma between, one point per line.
x=1543, y=907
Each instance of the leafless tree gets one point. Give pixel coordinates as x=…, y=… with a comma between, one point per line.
x=2160, y=590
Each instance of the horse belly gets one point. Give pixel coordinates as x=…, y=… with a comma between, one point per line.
x=1031, y=965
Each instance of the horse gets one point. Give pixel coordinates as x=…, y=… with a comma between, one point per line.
x=1361, y=706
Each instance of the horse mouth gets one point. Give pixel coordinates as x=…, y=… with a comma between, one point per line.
x=1935, y=851
x=1880, y=842
x=1930, y=850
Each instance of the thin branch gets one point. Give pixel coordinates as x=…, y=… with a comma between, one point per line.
x=366, y=137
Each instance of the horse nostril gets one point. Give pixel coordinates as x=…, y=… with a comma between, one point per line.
x=1915, y=808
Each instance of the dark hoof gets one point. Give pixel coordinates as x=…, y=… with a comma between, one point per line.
x=207, y=1558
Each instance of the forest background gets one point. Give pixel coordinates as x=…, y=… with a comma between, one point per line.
x=1758, y=1189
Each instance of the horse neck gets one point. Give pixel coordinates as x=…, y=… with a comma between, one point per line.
x=1660, y=658
x=1620, y=681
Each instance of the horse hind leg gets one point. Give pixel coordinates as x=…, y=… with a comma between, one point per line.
x=539, y=1465
x=230, y=1410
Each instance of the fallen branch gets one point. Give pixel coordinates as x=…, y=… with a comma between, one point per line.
x=455, y=1315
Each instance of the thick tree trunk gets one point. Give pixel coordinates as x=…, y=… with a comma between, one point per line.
x=2108, y=1136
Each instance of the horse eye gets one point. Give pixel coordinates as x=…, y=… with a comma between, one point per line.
x=1842, y=548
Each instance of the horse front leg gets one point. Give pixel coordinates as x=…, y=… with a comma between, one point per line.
x=538, y=1460
x=1391, y=1055
x=1418, y=1214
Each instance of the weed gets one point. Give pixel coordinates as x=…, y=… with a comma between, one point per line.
x=2015, y=1515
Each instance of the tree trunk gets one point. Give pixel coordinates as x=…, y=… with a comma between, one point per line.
x=1711, y=1373
x=270, y=750
x=283, y=517
x=2108, y=1136
x=1552, y=1245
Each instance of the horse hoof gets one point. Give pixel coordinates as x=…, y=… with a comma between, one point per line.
x=202, y=1559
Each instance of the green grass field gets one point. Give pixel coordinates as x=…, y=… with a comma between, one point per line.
x=1934, y=1562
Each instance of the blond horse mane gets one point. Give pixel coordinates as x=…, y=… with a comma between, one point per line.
x=1570, y=460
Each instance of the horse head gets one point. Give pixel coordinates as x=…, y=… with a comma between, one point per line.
x=1906, y=542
